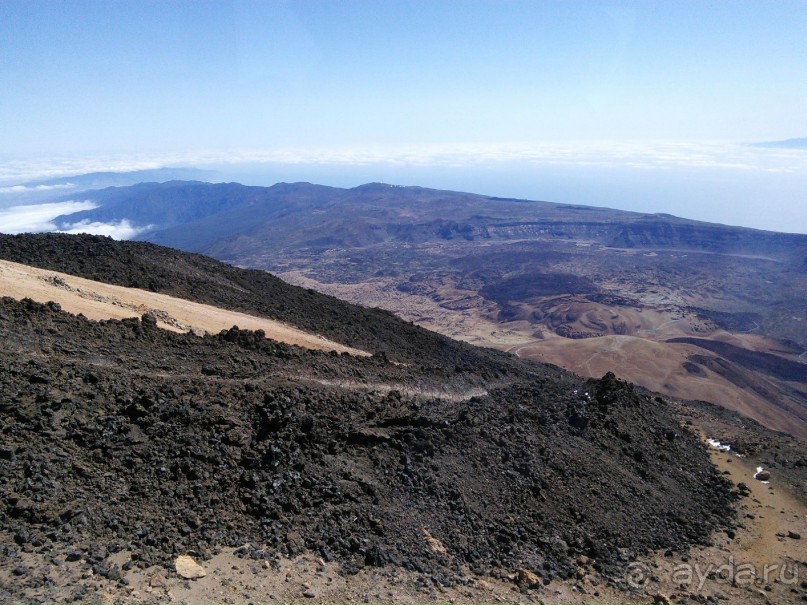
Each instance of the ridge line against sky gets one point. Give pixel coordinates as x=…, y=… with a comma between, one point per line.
x=735, y=184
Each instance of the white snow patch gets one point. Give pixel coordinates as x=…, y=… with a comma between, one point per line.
x=718, y=446
x=759, y=470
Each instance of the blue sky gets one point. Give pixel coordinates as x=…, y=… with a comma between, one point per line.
x=144, y=83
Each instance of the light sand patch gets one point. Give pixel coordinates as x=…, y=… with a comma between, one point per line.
x=97, y=300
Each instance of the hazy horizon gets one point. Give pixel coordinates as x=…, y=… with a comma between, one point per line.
x=647, y=106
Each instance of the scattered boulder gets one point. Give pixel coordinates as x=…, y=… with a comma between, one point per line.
x=434, y=543
x=188, y=568
x=527, y=578
x=583, y=560
x=149, y=320
x=20, y=570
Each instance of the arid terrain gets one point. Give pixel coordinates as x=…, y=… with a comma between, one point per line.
x=289, y=473
x=381, y=302
x=692, y=310
x=97, y=300
x=649, y=333
x=430, y=470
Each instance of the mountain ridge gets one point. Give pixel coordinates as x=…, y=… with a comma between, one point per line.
x=192, y=276
x=464, y=265
x=797, y=143
x=118, y=203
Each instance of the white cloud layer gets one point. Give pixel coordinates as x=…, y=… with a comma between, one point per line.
x=35, y=188
x=726, y=182
x=121, y=230
x=38, y=217
x=605, y=154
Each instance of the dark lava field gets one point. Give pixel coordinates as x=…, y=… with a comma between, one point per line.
x=118, y=436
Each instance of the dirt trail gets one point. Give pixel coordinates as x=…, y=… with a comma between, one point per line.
x=765, y=561
x=98, y=301
x=378, y=387
x=776, y=513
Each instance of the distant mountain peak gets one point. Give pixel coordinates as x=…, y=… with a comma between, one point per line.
x=376, y=187
x=799, y=143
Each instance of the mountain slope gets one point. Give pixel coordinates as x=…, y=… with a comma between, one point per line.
x=97, y=300
x=507, y=273
x=165, y=204
x=205, y=217
x=119, y=437
x=201, y=279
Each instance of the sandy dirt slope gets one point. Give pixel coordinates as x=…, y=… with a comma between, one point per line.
x=659, y=367
x=639, y=355
x=97, y=300
x=764, y=561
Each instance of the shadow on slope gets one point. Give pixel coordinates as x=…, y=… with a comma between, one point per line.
x=202, y=279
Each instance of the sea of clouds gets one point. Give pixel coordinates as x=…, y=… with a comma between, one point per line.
x=732, y=183
x=37, y=218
